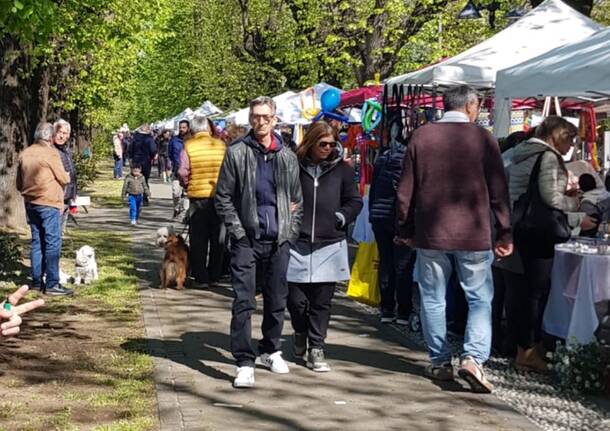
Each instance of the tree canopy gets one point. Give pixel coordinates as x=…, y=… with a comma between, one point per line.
x=101, y=63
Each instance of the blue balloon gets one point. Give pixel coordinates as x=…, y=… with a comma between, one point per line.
x=330, y=100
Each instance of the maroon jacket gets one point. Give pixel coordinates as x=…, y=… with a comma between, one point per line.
x=452, y=183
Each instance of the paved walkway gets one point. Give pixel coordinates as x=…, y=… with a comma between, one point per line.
x=376, y=382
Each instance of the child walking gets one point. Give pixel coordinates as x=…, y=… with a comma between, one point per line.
x=135, y=188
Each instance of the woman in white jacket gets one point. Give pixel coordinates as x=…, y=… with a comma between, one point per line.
x=553, y=139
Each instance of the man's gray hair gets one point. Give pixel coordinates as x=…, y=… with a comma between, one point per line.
x=200, y=123
x=61, y=123
x=44, y=132
x=458, y=97
x=263, y=100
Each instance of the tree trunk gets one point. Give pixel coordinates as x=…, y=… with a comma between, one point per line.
x=39, y=103
x=14, y=111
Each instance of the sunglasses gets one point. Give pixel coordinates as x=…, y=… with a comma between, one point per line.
x=260, y=118
x=324, y=144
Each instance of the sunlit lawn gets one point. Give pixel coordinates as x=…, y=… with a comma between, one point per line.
x=90, y=382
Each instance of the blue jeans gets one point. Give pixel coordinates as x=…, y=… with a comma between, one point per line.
x=118, y=168
x=474, y=273
x=135, y=204
x=45, y=224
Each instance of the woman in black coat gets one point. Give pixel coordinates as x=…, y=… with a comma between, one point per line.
x=319, y=258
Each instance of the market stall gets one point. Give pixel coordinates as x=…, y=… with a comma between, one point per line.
x=579, y=69
x=550, y=25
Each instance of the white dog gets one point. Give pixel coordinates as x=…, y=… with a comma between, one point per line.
x=86, y=266
x=162, y=234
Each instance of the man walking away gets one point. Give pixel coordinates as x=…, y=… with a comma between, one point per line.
x=200, y=163
x=396, y=261
x=175, y=147
x=40, y=179
x=143, y=151
x=258, y=197
x=452, y=182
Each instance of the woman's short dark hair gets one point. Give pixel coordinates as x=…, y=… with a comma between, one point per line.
x=554, y=126
x=512, y=140
x=586, y=182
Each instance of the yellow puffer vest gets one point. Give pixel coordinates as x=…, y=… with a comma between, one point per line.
x=205, y=154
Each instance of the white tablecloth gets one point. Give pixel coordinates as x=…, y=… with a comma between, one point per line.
x=578, y=281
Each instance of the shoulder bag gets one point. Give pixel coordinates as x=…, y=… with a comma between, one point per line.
x=535, y=222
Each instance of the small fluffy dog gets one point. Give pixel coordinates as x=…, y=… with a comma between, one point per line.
x=175, y=263
x=86, y=266
x=162, y=234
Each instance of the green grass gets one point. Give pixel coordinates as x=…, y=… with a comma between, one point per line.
x=117, y=286
x=125, y=383
x=105, y=192
x=137, y=424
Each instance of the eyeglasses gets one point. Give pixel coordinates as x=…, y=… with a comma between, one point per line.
x=262, y=117
x=324, y=144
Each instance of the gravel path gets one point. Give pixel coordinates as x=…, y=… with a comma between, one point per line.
x=534, y=395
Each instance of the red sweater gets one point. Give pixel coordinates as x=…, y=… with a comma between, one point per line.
x=452, y=183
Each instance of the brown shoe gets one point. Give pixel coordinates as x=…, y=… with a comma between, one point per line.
x=474, y=375
x=442, y=372
x=530, y=360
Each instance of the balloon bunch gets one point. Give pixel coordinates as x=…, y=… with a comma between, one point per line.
x=330, y=100
x=371, y=115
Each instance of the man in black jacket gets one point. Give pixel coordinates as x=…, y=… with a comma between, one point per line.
x=259, y=199
x=61, y=134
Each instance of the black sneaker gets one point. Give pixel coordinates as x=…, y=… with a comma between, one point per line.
x=387, y=317
x=58, y=290
x=300, y=344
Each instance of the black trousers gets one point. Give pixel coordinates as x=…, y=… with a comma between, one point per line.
x=396, y=263
x=532, y=297
x=309, y=305
x=272, y=260
x=204, y=233
x=146, y=168
x=508, y=286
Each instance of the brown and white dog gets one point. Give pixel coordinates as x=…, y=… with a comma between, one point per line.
x=175, y=263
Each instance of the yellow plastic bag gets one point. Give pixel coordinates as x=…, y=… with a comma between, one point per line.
x=364, y=283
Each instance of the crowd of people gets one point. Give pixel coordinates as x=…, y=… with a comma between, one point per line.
x=440, y=206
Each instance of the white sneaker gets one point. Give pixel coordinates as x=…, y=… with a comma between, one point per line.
x=275, y=362
x=244, y=378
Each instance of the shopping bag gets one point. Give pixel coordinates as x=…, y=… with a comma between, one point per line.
x=364, y=283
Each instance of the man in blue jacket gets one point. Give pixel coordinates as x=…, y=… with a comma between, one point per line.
x=174, y=148
x=396, y=261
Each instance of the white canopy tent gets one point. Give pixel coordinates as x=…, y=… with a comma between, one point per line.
x=292, y=112
x=580, y=69
x=289, y=106
x=550, y=25
x=207, y=109
x=187, y=114
x=242, y=117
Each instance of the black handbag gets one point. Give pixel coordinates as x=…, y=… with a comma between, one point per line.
x=537, y=224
